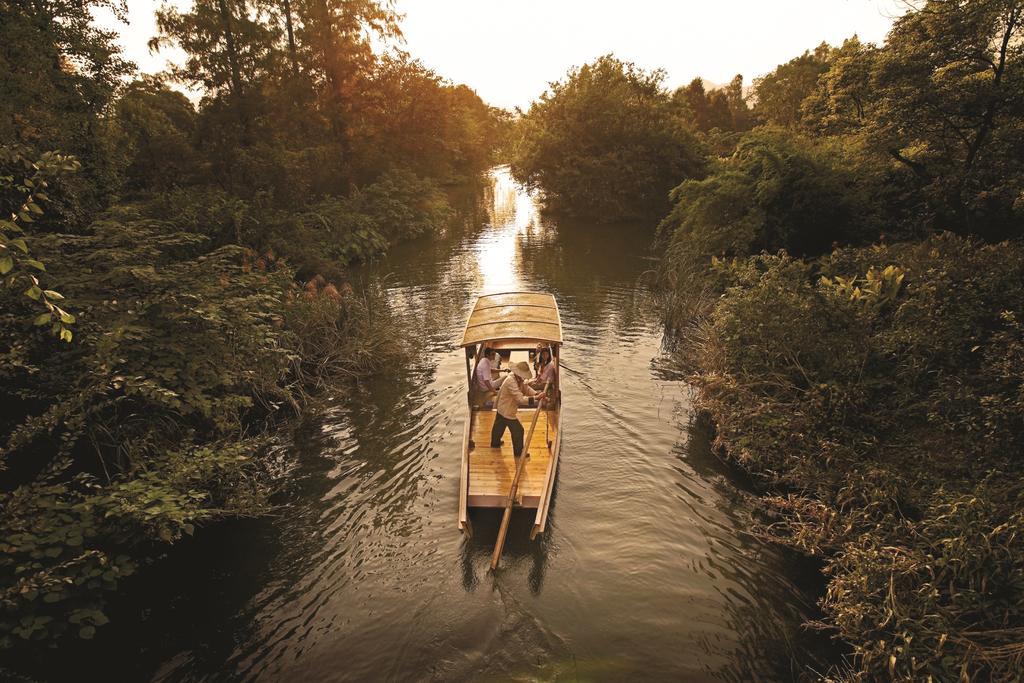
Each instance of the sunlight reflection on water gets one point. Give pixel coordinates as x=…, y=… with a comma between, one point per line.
x=498, y=253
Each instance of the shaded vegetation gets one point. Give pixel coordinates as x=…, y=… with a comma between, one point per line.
x=844, y=275
x=879, y=391
x=175, y=277
x=838, y=285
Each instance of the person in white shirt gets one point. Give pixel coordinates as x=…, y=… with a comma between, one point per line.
x=483, y=379
x=514, y=392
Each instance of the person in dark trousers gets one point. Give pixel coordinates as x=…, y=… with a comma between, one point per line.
x=514, y=392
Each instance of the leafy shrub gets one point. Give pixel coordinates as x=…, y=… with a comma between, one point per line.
x=338, y=231
x=146, y=298
x=133, y=435
x=776, y=191
x=323, y=236
x=341, y=332
x=882, y=388
x=66, y=543
x=945, y=599
x=210, y=211
x=24, y=181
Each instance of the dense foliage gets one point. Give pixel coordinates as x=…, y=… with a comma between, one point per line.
x=881, y=390
x=606, y=143
x=174, y=277
x=838, y=286
x=776, y=191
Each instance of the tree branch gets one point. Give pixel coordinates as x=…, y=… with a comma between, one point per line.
x=917, y=167
x=988, y=120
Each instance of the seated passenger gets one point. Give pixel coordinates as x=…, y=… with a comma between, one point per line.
x=484, y=383
x=546, y=369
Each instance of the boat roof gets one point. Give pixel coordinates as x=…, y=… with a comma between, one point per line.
x=528, y=316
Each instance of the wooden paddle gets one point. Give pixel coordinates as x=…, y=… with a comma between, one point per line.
x=503, y=529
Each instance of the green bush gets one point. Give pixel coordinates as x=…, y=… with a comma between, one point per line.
x=131, y=436
x=940, y=598
x=341, y=333
x=338, y=231
x=209, y=211
x=322, y=237
x=776, y=191
x=67, y=543
x=146, y=297
x=881, y=387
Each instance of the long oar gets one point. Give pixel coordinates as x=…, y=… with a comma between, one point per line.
x=576, y=372
x=503, y=529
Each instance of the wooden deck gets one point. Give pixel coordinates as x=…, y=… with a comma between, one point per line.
x=491, y=469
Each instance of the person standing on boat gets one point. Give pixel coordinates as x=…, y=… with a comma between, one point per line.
x=514, y=392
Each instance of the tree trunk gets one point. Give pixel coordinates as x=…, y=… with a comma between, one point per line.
x=236, y=72
x=327, y=47
x=291, y=37
x=229, y=40
x=988, y=119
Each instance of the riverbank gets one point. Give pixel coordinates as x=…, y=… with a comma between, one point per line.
x=187, y=355
x=175, y=271
x=876, y=395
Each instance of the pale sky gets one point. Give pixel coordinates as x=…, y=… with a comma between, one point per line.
x=508, y=51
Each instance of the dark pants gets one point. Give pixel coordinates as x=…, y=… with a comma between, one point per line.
x=514, y=426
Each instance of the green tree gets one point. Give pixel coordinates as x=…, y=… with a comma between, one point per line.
x=739, y=110
x=840, y=103
x=231, y=49
x=722, y=109
x=947, y=103
x=777, y=191
x=58, y=75
x=606, y=143
x=156, y=124
x=406, y=115
x=778, y=96
x=335, y=48
x=336, y=38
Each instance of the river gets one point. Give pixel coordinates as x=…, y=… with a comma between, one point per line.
x=645, y=572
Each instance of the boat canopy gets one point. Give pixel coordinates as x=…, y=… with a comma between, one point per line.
x=514, y=315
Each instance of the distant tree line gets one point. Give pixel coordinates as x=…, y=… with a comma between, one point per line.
x=934, y=112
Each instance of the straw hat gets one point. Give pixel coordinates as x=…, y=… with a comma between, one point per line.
x=522, y=370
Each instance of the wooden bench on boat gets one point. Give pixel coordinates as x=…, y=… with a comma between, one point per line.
x=514, y=324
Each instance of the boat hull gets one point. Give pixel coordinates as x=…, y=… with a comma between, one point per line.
x=487, y=473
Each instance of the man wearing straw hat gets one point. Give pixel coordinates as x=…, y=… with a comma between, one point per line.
x=514, y=392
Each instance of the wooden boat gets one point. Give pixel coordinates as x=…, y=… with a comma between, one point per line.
x=515, y=324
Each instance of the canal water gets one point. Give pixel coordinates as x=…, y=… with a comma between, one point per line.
x=646, y=571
